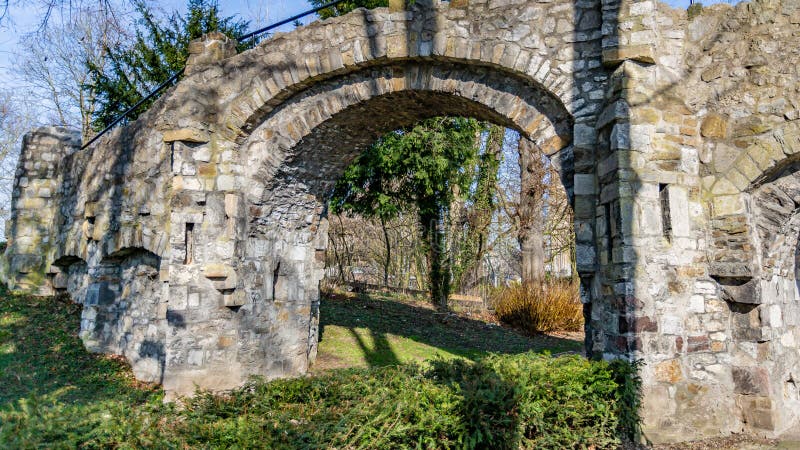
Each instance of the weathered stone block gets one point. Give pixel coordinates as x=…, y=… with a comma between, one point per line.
x=714, y=126
x=617, y=55
x=216, y=270
x=739, y=290
x=186, y=135
x=236, y=298
x=669, y=371
x=750, y=380
x=698, y=344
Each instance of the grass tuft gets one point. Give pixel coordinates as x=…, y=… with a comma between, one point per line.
x=553, y=305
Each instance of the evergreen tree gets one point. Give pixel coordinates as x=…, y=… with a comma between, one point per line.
x=422, y=167
x=159, y=50
x=346, y=7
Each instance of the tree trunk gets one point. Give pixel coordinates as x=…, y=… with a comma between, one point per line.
x=531, y=215
x=388, y=261
x=494, y=150
x=437, y=267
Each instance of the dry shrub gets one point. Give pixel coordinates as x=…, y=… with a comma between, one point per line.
x=552, y=305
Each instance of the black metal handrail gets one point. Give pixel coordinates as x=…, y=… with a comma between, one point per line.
x=178, y=73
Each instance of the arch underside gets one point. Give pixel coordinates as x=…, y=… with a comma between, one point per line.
x=292, y=159
x=312, y=138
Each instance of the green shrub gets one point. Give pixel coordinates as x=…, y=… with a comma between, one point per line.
x=55, y=395
x=549, y=306
x=694, y=10
x=522, y=401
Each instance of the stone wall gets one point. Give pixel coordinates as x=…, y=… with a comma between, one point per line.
x=290, y=115
x=195, y=236
x=700, y=209
x=35, y=206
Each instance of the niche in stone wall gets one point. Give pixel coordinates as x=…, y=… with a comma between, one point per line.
x=122, y=311
x=70, y=274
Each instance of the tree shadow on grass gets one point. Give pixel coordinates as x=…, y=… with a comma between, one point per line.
x=42, y=355
x=380, y=353
x=378, y=319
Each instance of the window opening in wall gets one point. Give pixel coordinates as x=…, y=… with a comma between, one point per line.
x=189, y=243
x=609, y=231
x=666, y=219
x=275, y=275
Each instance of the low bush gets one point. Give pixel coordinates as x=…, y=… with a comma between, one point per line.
x=56, y=395
x=540, y=307
x=527, y=401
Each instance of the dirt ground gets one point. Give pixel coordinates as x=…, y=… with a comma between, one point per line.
x=734, y=442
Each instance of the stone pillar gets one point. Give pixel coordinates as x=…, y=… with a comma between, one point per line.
x=663, y=307
x=210, y=48
x=628, y=31
x=30, y=229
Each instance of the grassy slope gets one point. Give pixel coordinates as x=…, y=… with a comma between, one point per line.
x=383, y=330
x=53, y=394
x=41, y=354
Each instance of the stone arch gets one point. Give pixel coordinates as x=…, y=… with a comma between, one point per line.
x=303, y=137
x=775, y=203
x=434, y=33
x=774, y=206
x=756, y=241
x=252, y=129
x=733, y=235
x=294, y=156
x=236, y=139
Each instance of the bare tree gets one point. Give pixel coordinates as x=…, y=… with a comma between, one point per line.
x=531, y=212
x=534, y=209
x=15, y=121
x=53, y=63
x=367, y=250
x=47, y=8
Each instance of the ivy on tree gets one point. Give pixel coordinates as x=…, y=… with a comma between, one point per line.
x=420, y=168
x=160, y=49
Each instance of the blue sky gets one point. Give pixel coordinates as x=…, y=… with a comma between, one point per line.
x=25, y=19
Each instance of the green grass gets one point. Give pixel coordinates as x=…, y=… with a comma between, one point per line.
x=42, y=356
x=56, y=395
x=380, y=330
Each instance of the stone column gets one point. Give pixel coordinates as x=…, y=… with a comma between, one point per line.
x=209, y=49
x=662, y=306
x=30, y=229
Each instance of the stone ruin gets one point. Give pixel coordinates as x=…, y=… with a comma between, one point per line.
x=194, y=237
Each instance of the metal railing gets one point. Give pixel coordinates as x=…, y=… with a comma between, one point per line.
x=176, y=75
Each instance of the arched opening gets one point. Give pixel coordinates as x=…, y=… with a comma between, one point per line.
x=70, y=276
x=294, y=156
x=769, y=321
x=378, y=304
